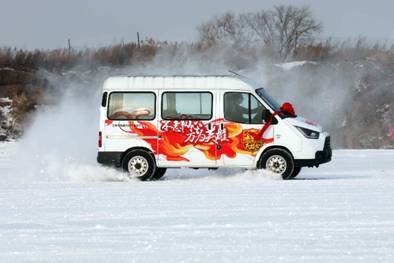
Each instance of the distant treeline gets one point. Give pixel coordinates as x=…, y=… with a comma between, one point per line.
x=63, y=59
x=131, y=53
x=279, y=34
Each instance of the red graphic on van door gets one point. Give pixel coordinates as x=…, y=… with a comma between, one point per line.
x=178, y=137
x=195, y=131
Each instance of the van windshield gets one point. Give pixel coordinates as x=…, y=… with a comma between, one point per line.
x=268, y=99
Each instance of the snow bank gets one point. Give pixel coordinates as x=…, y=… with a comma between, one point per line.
x=7, y=69
x=6, y=119
x=291, y=65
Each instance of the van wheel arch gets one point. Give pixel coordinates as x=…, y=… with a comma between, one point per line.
x=125, y=153
x=279, y=156
x=139, y=164
x=270, y=148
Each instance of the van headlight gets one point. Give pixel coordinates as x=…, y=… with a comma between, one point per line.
x=310, y=134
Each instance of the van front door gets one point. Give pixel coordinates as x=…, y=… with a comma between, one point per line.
x=242, y=115
x=187, y=129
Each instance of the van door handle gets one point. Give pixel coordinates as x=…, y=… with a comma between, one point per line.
x=222, y=126
x=209, y=126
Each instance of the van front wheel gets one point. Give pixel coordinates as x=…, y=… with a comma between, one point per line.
x=139, y=164
x=296, y=171
x=278, y=161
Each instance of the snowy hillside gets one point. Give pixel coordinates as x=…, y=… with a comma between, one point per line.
x=5, y=118
x=294, y=64
x=341, y=212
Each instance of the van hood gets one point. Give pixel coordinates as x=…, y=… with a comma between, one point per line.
x=304, y=123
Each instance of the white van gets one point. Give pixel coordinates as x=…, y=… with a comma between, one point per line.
x=151, y=123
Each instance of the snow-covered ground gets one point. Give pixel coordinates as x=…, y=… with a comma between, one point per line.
x=341, y=212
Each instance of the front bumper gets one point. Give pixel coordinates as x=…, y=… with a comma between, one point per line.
x=321, y=157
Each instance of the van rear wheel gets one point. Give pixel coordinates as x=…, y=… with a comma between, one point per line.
x=139, y=164
x=278, y=161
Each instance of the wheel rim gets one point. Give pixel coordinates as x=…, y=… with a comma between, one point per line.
x=276, y=164
x=137, y=166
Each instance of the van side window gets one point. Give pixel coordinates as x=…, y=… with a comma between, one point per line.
x=131, y=106
x=187, y=106
x=242, y=107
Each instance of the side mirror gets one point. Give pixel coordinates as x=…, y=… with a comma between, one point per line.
x=266, y=115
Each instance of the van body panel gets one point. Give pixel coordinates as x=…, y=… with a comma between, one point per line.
x=243, y=146
x=120, y=135
x=302, y=122
x=187, y=142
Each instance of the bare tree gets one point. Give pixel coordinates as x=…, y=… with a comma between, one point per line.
x=282, y=29
x=226, y=28
x=261, y=25
x=296, y=25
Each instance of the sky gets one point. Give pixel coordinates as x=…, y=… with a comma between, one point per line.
x=46, y=24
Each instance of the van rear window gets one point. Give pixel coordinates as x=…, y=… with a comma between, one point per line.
x=131, y=106
x=187, y=105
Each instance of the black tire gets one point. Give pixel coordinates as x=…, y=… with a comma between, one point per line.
x=159, y=173
x=296, y=171
x=139, y=164
x=279, y=157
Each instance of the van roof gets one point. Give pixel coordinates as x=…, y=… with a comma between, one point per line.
x=180, y=82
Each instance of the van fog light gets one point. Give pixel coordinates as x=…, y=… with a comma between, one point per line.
x=310, y=134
